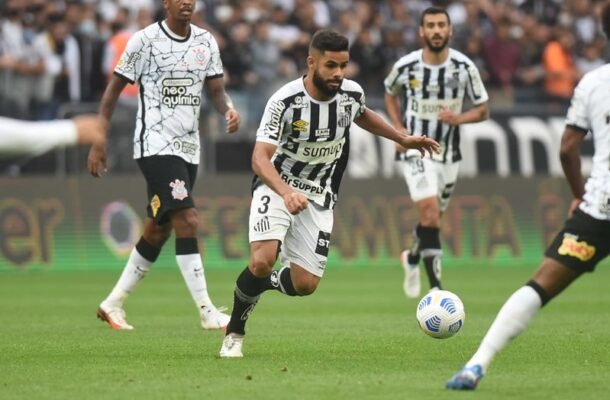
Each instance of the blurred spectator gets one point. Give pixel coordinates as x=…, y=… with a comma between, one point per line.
x=561, y=73
x=60, y=81
x=116, y=45
x=591, y=56
x=502, y=55
x=81, y=20
x=366, y=64
x=545, y=11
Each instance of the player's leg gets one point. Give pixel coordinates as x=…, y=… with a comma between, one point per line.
x=414, y=172
x=513, y=319
x=142, y=256
x=305, y=251
x=268, y=222
x=565, y=260
x=428, y=232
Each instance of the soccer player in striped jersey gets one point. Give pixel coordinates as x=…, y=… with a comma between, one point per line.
x=584, y=240
x=171, y=60
x=425, y=92
x=301, y=151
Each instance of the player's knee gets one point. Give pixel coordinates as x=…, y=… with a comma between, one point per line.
x=305, y=288
x=185, y=222
x=261, y=263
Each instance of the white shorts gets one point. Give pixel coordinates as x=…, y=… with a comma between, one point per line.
x=427, y=178
x=305, y=237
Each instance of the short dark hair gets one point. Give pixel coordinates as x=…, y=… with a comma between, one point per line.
x=605, y=19
x=328, y=40
x=433, y=11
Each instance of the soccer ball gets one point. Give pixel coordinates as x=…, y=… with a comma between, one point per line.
x=440, y=314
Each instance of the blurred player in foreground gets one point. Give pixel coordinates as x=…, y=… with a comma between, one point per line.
x=585, y=238
x=36, y=137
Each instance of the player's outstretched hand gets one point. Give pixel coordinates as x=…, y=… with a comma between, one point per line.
x=90, y=129
x=295, y=202
x=232, y=119
x=423, y=144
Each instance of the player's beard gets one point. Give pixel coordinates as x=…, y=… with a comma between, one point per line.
x=439, y=48
x=323, y=87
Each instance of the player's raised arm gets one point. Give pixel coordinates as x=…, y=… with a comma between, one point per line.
x=374, y=123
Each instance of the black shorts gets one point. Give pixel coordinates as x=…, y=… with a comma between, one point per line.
x=169, y=184
x=582, y=243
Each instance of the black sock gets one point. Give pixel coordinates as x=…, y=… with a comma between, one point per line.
x=432, y=265
x=281, y=281
x=413, y=259
x=248, y=289
x=430, y=248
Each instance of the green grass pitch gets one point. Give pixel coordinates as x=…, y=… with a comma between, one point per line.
x=355, y=338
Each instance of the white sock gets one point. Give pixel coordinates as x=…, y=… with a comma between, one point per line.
x=135, y=270
x=513, y=318
x=194, y=276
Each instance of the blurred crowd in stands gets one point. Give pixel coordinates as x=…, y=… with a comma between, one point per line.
x=57, y=52
x=529, y=51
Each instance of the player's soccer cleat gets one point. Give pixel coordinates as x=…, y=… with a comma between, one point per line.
x=231, y=346
x=466, y=379
x=412, y=284
x=114, y=316
x=213, y=318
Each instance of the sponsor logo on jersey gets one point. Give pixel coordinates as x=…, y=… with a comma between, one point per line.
x=299, y=103
x=570, y=246
x=155, y=204
x=184, y=147
x=414, y=84
x=301, y=185
x=179, y=192
x=318, y=151
x=276, y=109
x=174, y=92
x=322, y=133
x=300, y=125
x=323, y=243
x=346, y=100
x=130, y=63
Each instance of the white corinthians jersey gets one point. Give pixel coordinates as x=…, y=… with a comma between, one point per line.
x=171, y=73
x=312, y=137
x=590, y=111
x=426, y=89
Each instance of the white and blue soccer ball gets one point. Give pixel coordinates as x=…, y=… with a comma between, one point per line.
x=440, y=314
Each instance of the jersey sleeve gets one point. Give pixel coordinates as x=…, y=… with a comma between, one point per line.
x=215, y=66
x=577, y=114
x=391, y=81
x=475, y=87
x=131, y=63
x=272, y=123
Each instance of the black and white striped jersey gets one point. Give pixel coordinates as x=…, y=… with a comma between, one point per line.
x=427, y=88
x=171, y=72
x=312, y=137
x=590, y=111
